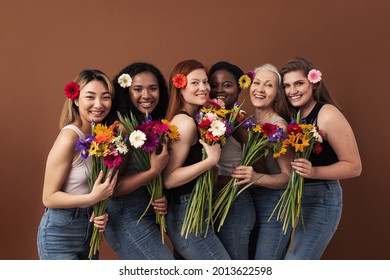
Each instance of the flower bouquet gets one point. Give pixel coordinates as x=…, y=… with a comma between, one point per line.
x=304, y=139
x=261, y=139
x=146, y=138
x=215, y=124
x=105, y=146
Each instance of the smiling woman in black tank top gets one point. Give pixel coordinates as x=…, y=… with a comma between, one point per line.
x=305, y=90
x=187, y=95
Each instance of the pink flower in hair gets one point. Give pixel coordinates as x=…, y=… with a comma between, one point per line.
x=314, y=76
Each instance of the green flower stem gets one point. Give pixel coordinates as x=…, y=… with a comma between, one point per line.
x=255, y=149
x=200, y=203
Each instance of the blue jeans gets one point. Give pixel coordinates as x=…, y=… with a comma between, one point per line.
x=64, y=234
x=129, y=239
x=321, y=209
x=322, y=205
x=194, y=247
x=239, y=222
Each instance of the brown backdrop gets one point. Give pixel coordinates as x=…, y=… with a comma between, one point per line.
x=44, y=44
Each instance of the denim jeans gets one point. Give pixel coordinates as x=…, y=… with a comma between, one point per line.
x=128, y=238
x=271, y=242
x=193, y=247
x=321, y=209
x=239, y=222
x=64, y=234
x=322, y=205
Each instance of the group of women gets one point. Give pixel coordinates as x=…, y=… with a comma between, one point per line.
x=67, y=223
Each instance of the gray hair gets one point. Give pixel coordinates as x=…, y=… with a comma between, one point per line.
x=271, y=68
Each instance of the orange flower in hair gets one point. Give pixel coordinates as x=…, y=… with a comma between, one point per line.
x=179, y=81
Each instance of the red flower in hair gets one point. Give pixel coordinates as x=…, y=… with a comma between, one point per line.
x=72, y=90
x=179, y=81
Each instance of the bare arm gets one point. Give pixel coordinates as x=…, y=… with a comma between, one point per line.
x=175, y=174
x=57, y=168
x=338, y=132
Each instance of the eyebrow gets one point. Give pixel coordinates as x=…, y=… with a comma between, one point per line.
x=105, y=92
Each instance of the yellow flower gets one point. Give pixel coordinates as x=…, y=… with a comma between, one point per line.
x=98, y=149
x=173, y=132
x=257, y=129
x=102, y=129
x=282, y=151
x=92, y=149
x=244, y=81
x=300, y=142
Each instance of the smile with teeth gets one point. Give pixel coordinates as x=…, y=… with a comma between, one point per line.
x=259, y=96
x=295, y=97
x=145, y=104
x=97, y=113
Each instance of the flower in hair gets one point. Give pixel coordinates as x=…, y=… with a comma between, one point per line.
x=314, y=76
x=125, y=80
x=251, y=74
x=244, y=81
x=72, y=90
x=179, y=81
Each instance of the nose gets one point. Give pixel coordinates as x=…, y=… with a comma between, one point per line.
x=260, y=88
x=145, y=93
x=98, y=103
x=292, y=89
x=220, y=88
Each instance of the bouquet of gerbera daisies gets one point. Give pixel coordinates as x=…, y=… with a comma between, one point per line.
x=215, y=124
x=261, y=139
x=146, y=138
x=105, y=146
x=304, y=139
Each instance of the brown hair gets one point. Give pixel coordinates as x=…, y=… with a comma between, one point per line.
x=320, y=91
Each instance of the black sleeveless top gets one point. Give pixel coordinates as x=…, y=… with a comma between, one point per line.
x=327, y=156
x=194, y=156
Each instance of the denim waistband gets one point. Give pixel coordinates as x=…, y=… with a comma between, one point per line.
x=75, y=212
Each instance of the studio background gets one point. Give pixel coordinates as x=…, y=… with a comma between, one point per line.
x=44, y=44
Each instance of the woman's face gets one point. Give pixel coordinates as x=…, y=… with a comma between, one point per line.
x=224, y=87
x=264, y=89
x=298, y=89
x=198, y=89
x=94, y=102
x=144, y=92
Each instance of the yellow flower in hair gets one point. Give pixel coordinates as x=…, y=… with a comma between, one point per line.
x=244, y=81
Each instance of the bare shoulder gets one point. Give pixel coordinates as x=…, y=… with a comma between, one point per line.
x=330, y=114
x=65, y=142
x=186, y=126
x=332, y=122
x=183, y=122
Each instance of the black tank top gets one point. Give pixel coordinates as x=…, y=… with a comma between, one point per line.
x=327, y=156
x=194, y=156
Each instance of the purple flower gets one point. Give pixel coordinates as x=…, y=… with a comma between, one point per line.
x=249, y=123
x=151, y=142
x=82, y=146
x=277, y=135
x=251, y=74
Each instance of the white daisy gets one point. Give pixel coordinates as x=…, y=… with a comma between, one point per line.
x=137, y=138
x=125, y=80
x=217, y=128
